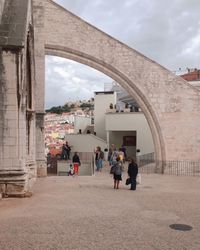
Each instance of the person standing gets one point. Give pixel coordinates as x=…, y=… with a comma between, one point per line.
x=117, y=173
x=68, y=150
x=113, y=156
x=99, y=155
x=132, y=172
x=110, y=152
x=64, y=152
x=76, y=162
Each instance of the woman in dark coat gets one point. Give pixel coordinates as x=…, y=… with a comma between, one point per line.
x=132, y=172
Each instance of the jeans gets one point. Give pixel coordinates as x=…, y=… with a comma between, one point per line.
x=99, y=164
x=133, y=183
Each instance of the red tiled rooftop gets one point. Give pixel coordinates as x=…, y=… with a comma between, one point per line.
x=192, y=76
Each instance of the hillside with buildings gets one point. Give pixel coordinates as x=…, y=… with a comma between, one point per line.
x=61, y=120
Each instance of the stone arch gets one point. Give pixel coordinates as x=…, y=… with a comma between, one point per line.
x=123, y=81
x=169, y=103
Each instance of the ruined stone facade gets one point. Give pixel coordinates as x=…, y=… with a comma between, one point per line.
x=17, y=112
x=170, y=104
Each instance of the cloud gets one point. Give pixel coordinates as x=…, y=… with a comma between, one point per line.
x=67, y=80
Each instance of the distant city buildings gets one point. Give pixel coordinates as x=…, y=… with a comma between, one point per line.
x=58, y=125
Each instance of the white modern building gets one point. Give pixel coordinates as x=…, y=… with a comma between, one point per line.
x=112, y=126
x=102, y=101
x=131, y=130
x=81, y=123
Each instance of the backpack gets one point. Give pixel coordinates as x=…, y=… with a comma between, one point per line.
x=112, y=169
x=101, y=155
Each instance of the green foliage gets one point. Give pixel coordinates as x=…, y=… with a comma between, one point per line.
x=72, y=106
x=86, y=105
x=59, y=109
x=67, y=108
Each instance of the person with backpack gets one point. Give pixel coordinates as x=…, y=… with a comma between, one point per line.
x=99, y=156
x=113, y=156
x=117, y=173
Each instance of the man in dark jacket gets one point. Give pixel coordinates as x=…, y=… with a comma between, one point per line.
x=132, y=172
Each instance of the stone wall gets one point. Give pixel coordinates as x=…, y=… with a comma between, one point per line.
x=17, y=119
x=1, y=8
x=38, y=15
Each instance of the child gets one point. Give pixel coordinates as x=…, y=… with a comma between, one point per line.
x=71, y=170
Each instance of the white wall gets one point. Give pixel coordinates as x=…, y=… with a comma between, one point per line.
x=85, y=142
x=81, y=122
x=116, y=137
x=101, y=105
x=134, y=121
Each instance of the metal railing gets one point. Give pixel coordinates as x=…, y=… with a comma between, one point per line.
x=146, y=159
x=187, y=168
x=147, y=164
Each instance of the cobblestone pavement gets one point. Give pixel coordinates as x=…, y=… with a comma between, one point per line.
x=87, y=213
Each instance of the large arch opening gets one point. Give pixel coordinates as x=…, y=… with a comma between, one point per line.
x=126, y=83
x=160, y=94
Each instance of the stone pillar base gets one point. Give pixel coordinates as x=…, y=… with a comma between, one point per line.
x=16, y=186
x=159, y=167
x=15, y=190
x=41, y=169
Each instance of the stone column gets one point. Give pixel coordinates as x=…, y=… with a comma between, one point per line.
x=13, y=171
x=38, y=17
x=17, y=165
x=1, y=8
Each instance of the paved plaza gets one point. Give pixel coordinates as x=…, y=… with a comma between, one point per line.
x=87, y=213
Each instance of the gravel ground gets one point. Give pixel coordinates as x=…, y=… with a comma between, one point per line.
x=87, y=213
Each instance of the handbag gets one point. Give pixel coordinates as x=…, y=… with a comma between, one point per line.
x=139, y=179
x=128, y=181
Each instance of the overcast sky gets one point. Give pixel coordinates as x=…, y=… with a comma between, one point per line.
x=165, y=31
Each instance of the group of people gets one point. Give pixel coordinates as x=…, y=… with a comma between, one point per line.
x=112, y=156
x=116, y=170
x=114, y=153
x=66, y=149
x=116, y=160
